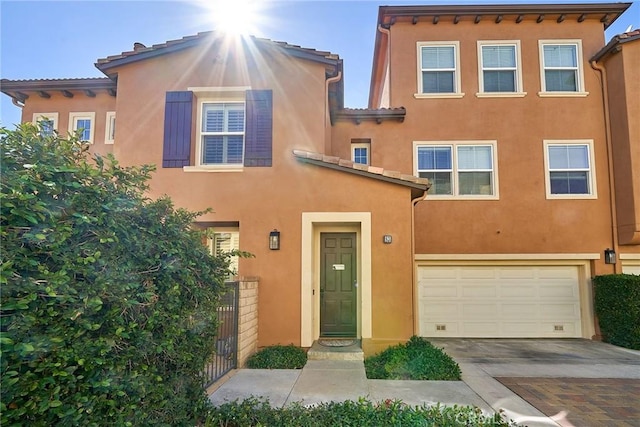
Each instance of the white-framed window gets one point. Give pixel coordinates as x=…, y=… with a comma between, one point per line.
x=439, y=70
x=226, y=239
x=360, y=151
x=499, y=68
x=221, y=133
x=569, y=169
x=48, y=121
x=110, y=128
x=561, y=72
x=85, y=122
x=461, y=169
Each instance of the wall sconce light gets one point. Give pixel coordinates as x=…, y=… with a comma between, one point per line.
x=274, y=240
x=387, y=239
x=609, y=256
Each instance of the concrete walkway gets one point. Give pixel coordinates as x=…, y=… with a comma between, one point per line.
x=481, y=362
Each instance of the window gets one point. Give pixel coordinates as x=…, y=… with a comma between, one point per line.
x=464, y=169
x=569, y=169
x=82, y=122
x=561, y=63
x=499, y=68
x=360, y=149
x=47, y=121
x=233, y=129
x=226, y=240
x=110, y=128
x=222, y=133
x=438, y=69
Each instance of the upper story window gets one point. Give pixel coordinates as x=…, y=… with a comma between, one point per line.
x=569, y=169
x=438, y=70
x=460, y=169
x=561, y=68
x=360, y=151
x=222, y=133
x=500, y=72
x=83, y=122
x=47, y=121
x=110, y=128
x=233, y=129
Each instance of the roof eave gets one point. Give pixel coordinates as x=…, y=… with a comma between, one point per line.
x=614, y=46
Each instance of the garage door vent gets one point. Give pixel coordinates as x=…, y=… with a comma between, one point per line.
x=441, y=327
x=558, y=328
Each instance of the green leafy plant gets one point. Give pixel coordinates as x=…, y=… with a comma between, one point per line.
x=255, y=412
x=108, y=298
x=418, y=359
x=278, y=357
x=617, y=304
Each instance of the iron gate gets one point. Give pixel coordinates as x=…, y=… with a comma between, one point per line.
x=226, y=356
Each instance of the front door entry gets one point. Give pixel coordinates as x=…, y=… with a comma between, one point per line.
x=338, y=287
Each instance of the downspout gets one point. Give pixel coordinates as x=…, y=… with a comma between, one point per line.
x=328, y=148
x=387, y=69
x=612, y=188
x=414, y=284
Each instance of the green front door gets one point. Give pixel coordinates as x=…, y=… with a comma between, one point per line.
x=338, y=288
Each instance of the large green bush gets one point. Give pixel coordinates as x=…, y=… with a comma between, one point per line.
x=254, y=412
x=278, y=357
x=108, y=298
x=418, y=359
x=617, y=304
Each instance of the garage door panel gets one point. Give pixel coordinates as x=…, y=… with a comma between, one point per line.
x=479, y=291
x=499, y=301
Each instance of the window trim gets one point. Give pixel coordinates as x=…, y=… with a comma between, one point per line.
x=454, y=163
x=234, y=233
x=365, y=145
x=109, y=127
x=83, y=115
x=592, y=170
x=519, y=92
x=580, y=87
x=204, y=95
x=50, y=116
x=457, y=80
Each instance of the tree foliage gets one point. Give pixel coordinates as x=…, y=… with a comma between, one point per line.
x=108, y=298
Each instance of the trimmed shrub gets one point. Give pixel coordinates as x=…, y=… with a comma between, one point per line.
x=617, y=304
x=278, y=357
x=108, y=298
x=254, y=412
x=418, y=359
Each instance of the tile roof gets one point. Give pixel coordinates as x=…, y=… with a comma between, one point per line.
x=614, y=42
x=374, y=172
x=17, y=89
x=141, y=52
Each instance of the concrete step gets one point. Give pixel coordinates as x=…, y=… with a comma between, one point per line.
x=318, y=351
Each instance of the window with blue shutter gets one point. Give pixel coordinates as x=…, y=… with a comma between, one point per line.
x=176, y=151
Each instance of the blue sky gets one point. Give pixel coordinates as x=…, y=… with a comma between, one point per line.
x=63, y=39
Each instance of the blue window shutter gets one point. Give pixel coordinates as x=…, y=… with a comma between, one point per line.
x=259, y=128
x=176, y=151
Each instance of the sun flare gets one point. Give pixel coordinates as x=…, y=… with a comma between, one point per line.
x=237, y=17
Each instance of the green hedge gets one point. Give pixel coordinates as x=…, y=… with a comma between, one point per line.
x=254, y=412
x=617, y=304
x=278, y=357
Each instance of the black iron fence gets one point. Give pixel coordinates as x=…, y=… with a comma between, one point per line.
x=226, y=356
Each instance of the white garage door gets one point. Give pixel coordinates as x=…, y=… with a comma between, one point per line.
x=631, y=267
x=499, y=301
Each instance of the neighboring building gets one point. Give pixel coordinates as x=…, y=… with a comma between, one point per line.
x=495, y=109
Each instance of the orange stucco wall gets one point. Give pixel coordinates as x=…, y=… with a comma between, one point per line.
x=263, y=199
x=622, y=79
x=523, y=220
x=100, y=105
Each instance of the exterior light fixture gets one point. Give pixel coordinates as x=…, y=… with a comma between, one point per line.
x=609, y=256
x=274, y=240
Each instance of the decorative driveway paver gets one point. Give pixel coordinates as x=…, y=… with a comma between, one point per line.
x=588, y=402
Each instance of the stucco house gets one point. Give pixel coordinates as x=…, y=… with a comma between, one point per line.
x=494, y=172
